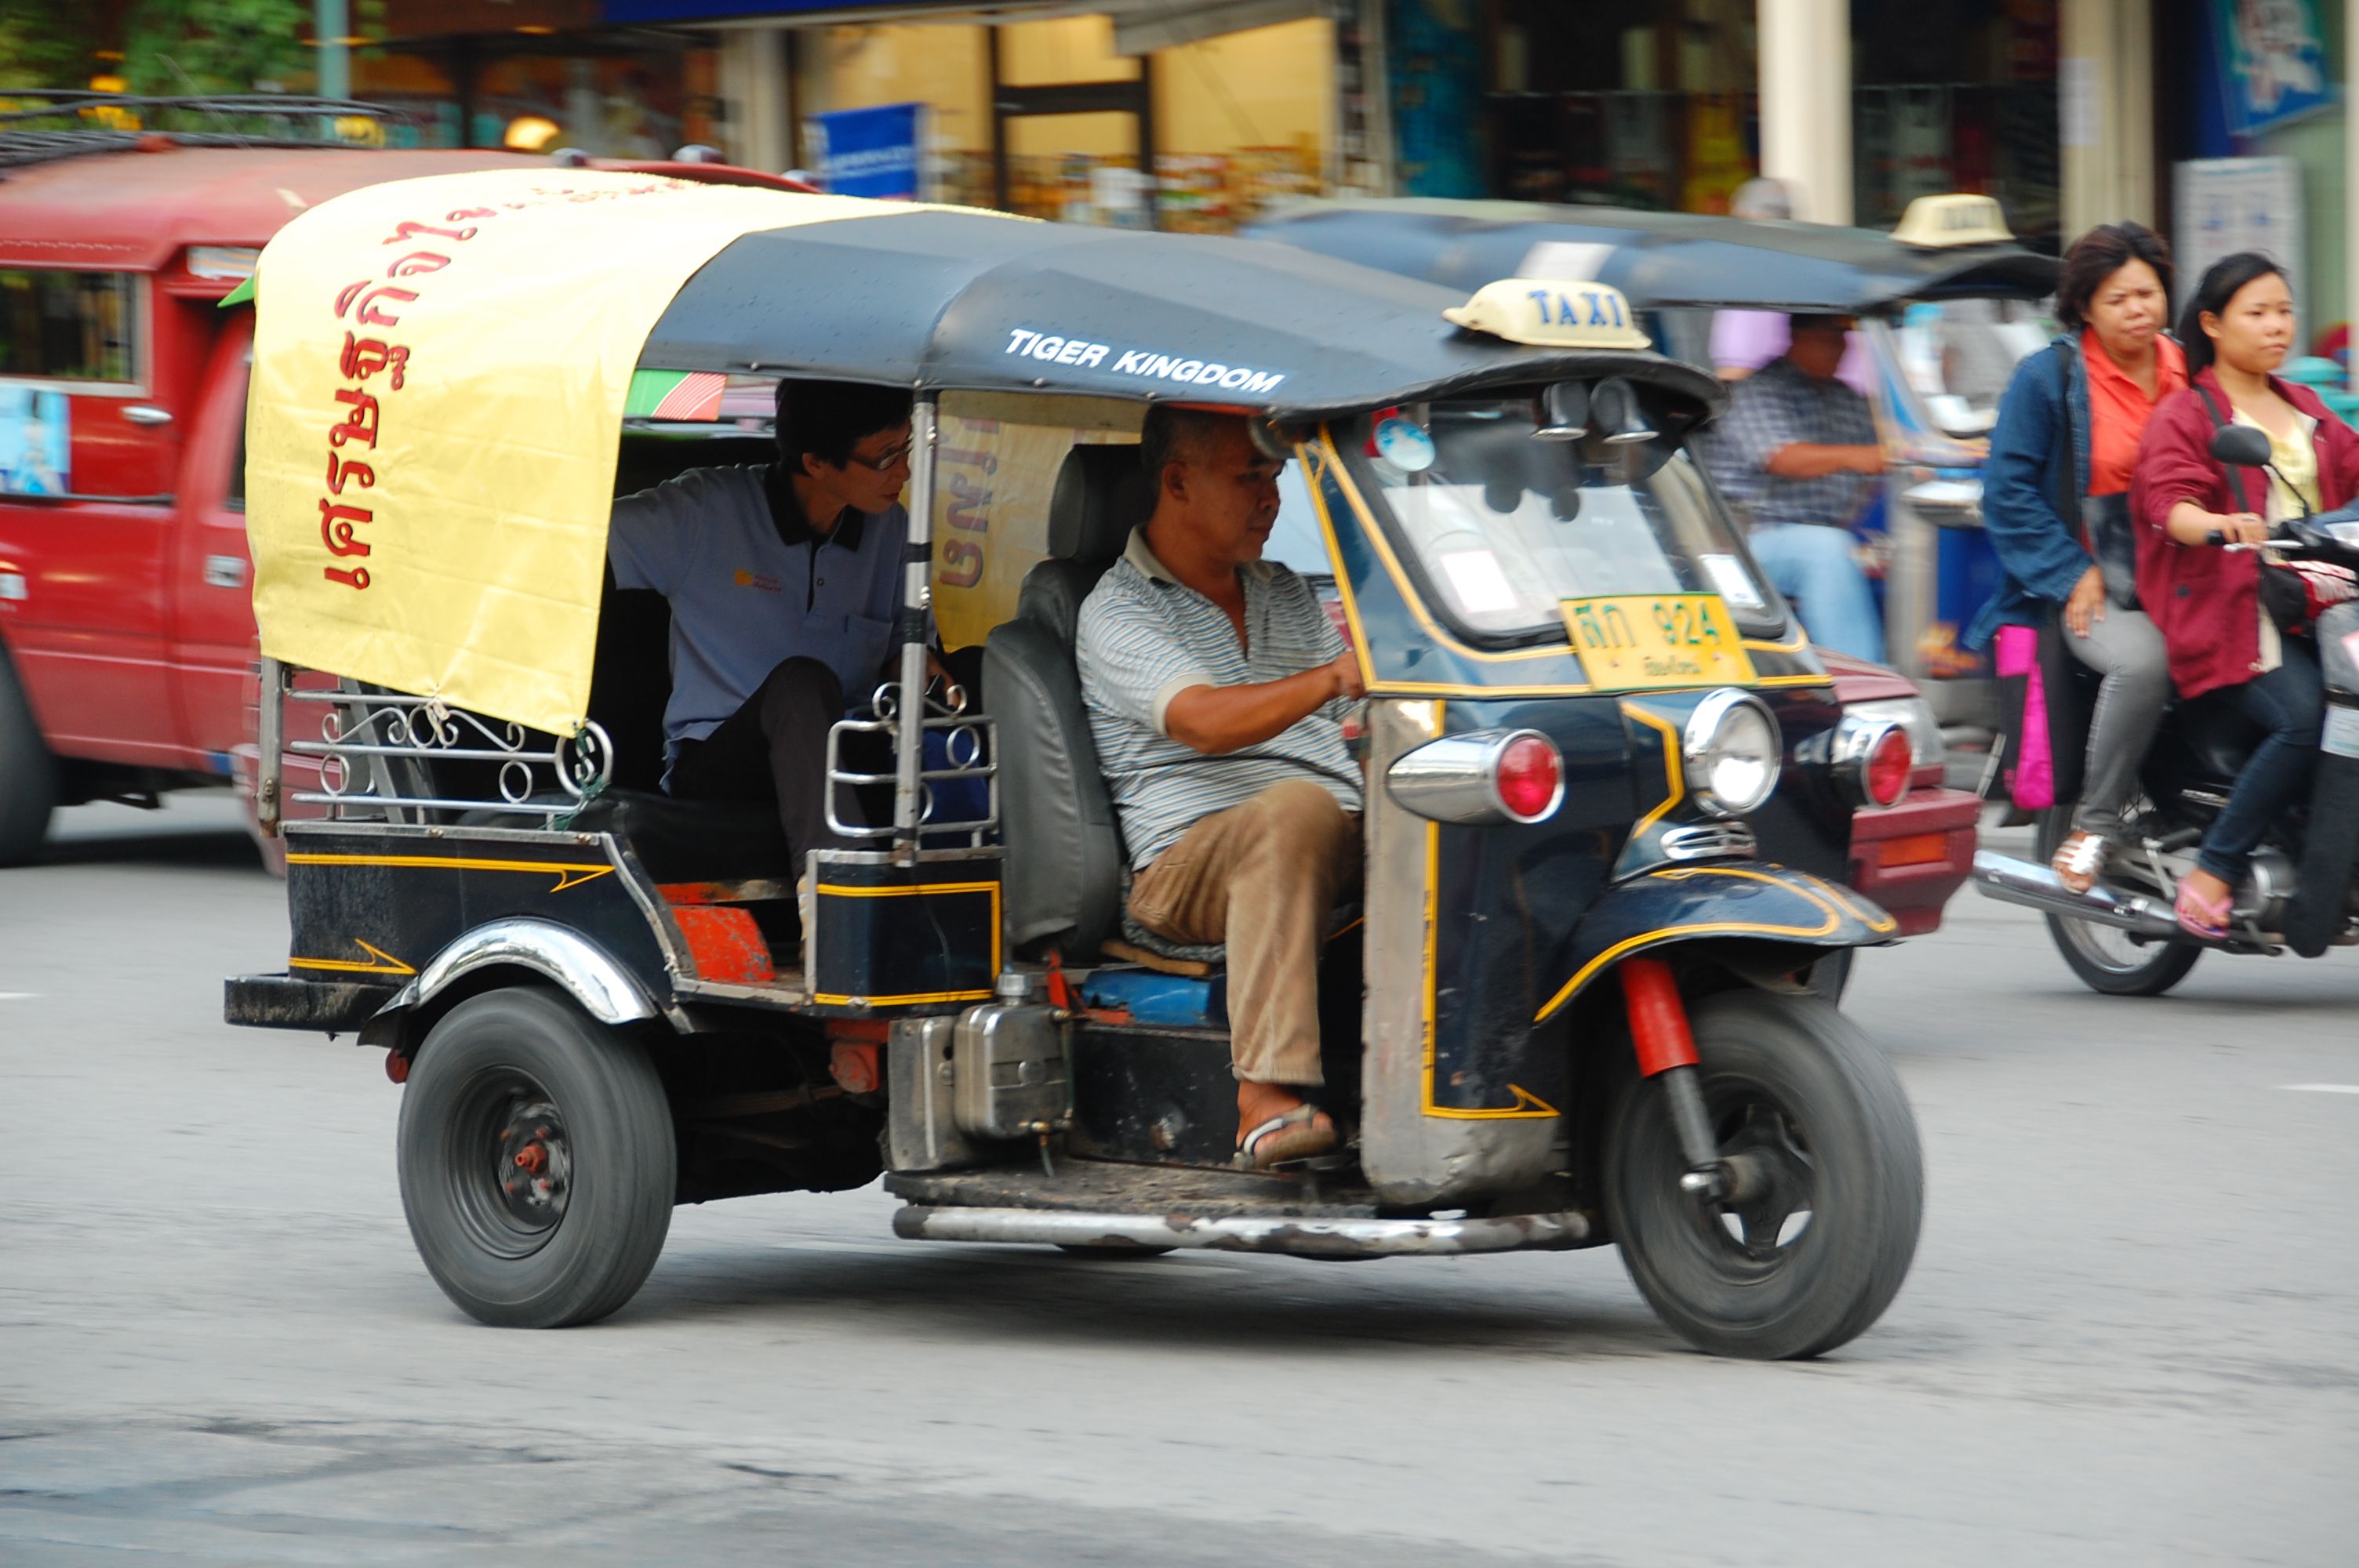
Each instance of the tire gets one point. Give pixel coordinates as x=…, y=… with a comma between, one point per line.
x=1101, y=1253
x=2106, y=960
x=1794, y=1090
x=505, y=1074
x=29, y=774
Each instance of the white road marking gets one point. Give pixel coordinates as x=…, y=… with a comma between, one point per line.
x=2321, y=1089
x=17, y=996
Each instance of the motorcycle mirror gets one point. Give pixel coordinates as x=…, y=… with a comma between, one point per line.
x=2241, y=444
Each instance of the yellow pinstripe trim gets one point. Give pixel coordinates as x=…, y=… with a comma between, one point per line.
x=837, y=889
x=380, y=963
x=910, y=999
x=568, y=874
x=1674, y=771
x=1834, y=919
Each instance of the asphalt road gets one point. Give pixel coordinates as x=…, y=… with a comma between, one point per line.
x=2129, y=1337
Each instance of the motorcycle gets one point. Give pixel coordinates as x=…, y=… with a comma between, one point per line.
x=2122, y=937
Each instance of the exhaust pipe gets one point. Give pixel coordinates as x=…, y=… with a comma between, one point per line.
x=2011, y=881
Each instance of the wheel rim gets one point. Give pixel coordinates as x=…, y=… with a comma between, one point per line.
x=1765, y=1219
x=2108, y=947
x=508, y=1163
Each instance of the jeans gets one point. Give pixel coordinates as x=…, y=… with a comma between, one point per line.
x=1813, y=563
x=2128, y=652
x=2289, y=702
x=773, y=750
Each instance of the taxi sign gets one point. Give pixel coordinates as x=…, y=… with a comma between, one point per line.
x=1935, y=221
x=1631, y=641
x=1549, y=313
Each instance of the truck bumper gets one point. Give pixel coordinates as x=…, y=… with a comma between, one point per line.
x=1912, y=857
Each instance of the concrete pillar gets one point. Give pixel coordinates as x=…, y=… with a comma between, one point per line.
x=2105, y=113
x=759, y=123
x=1806, y=103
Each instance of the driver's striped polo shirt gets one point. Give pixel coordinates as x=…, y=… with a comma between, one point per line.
x=1144, y=638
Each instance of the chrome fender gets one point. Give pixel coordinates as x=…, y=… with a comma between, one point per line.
x=600, y=986
x=1755, y=900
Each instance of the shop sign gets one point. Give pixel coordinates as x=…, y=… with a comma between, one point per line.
x=871, y=152
x=2272, y=64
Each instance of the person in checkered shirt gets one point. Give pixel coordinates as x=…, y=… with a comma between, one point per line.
x=1798, y=450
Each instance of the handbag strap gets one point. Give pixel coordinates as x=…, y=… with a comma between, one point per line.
x=2219, y=422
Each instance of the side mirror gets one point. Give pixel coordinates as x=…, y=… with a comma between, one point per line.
x=2241, y=444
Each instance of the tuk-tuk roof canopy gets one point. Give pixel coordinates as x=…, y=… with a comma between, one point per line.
x=1661, y=259
x=969, y=300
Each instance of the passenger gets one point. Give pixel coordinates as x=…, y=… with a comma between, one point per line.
x=785, y=581
x=1798, y=448
x=2056, y=506
x=1216, y=687
x=2224, y=644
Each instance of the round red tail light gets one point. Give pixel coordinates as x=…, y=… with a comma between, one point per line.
x=1890, y=766
x=1528, y=777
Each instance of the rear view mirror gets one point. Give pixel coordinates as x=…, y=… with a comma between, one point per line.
x=2241, y=444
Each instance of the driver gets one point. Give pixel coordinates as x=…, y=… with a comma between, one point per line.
x=1216, y=688
x=784, y=580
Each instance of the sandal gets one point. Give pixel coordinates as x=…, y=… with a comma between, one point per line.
x=1289, y=1136
x=2080, y=860
x=2207, y=918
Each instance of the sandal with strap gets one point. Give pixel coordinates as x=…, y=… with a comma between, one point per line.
x=1289, y=1136
x=2207, y=918
x=2080, y=860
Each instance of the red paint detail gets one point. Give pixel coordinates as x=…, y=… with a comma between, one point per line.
x=396, y=1066
x=1914, y=894
x=1061, y=990
x=1658, y=1019
x=853, y=1066
x=532, y=1157
x=870, y=1031
x=725, y=945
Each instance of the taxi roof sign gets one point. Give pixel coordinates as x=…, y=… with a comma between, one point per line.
x=1936, y=222
x=1547, y=313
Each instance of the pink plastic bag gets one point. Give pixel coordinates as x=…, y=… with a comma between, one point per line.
x=2031, y=779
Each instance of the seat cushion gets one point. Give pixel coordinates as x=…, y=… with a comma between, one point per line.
x=693, y=840
x=1102, y=494
x=1063, y=873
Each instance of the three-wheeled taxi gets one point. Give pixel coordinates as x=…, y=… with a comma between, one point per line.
x=1948, y=303
x=1608, y=789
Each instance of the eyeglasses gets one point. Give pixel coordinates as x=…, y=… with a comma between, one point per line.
x=884, y=464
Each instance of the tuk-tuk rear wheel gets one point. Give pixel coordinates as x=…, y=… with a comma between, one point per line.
x=1818, y=1133
x=28, y=774
x=536, y=1158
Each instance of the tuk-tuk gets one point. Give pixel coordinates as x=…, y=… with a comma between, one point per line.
x=1608, y=790
x=1947, y=304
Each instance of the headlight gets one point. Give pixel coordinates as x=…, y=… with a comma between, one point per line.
x=1913, y=714
x=1732, y=752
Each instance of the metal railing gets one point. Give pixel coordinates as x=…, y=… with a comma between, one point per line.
x=971, y=742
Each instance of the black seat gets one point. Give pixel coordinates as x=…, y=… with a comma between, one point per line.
x=1062, y=886
x=2221, y=739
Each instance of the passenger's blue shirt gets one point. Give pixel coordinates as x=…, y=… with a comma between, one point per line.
x=2039, y=549
x=749, y=591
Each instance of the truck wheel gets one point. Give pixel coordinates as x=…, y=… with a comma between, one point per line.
x=2106, y=960
x=537, y=1162
x=1818, y=1136
x=29, y=774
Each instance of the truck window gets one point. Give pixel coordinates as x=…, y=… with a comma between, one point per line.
x=68, y=326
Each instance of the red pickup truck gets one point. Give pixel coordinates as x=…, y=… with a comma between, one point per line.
x=127, y=623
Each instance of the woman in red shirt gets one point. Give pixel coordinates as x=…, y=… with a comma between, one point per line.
x=2237, y=329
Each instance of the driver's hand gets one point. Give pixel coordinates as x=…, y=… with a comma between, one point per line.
x=2244, y=528
x=1347, y=668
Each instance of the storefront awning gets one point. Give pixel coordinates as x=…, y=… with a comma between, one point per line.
x=1142, y=27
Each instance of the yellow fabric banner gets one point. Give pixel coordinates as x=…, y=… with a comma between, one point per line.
x=440, y=371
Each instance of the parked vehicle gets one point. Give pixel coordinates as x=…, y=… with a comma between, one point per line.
x=2123, y=937
x=126, y=634
x=1935, y=297
x=1610, y=790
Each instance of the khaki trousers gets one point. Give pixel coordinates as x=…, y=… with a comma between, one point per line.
x=1263, y=878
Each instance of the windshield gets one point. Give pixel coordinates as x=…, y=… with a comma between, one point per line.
x=1503, y=528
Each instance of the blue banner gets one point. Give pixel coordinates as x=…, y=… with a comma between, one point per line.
x=870, y=152
x=2272, y=64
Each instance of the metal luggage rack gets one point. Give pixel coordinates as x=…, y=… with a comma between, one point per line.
x=377, y=750
x=971, y=740
x=40, y=124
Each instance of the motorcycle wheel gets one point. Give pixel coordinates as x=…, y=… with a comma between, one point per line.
x=1815, y=1115
x=29, y=774
x=2106, y=960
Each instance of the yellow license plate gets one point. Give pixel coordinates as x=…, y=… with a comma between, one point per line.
x=1637, y=640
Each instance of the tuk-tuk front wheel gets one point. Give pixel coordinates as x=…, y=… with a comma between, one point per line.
x=536, y=1158
x=1827, y=1184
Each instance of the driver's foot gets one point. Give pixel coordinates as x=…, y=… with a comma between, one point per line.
x=1275, y=1124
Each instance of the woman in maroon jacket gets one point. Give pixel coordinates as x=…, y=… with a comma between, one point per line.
x=2206, y=600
